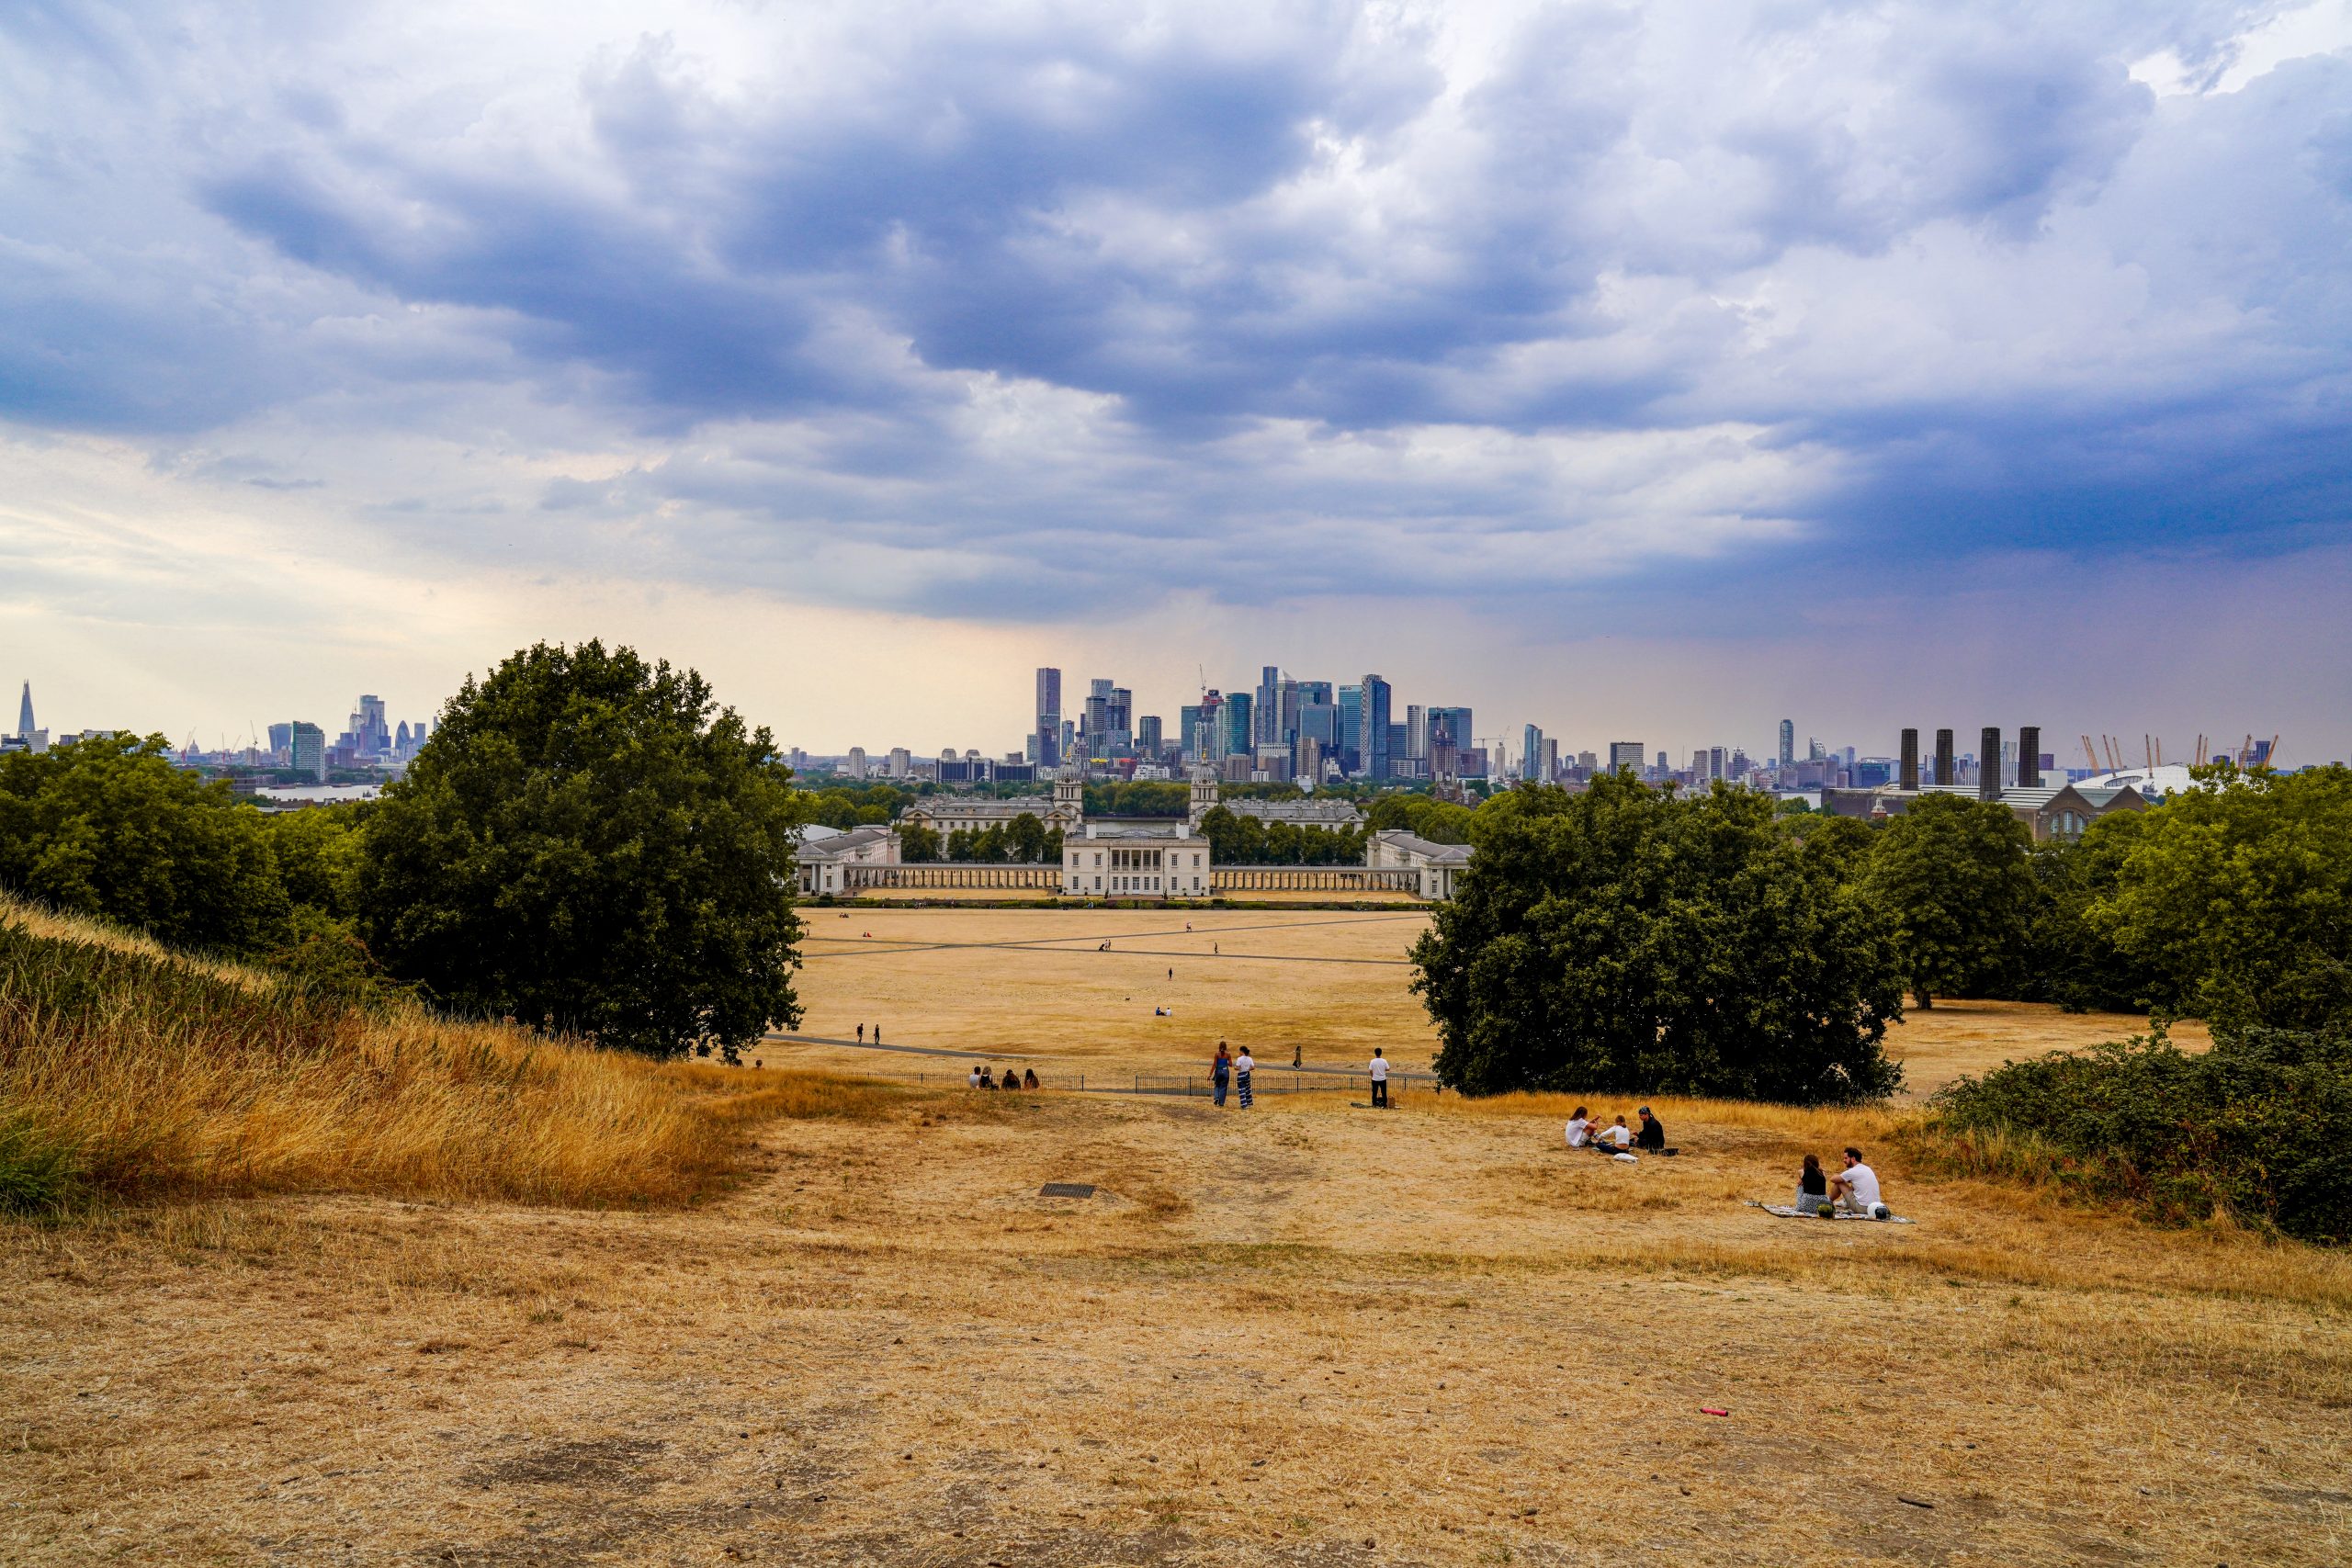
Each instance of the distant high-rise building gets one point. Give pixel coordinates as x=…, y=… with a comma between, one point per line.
x=25, y=711
x=855, y=767
x=1122, y=716
x=1147, y=735
x=1285, y=721
x=1351, y=755
x=1307, y=760
x=1319, y=722
x=1188, y=731
x=1266, y=711
x=1240, y=725
x=1375, y=695
x=1454, y=726
x=1625, y=757
x=1417, y=733
x=1095, y=720
x=1717, y=764
x=282, y=738
x=1531, y=752
x=902, y=762
x=1788, y=741
x=1048, y=710
x=306, y=750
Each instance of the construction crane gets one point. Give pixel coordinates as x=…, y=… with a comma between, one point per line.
x=2091, y=754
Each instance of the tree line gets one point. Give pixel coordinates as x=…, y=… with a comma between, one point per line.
x=1626, y=937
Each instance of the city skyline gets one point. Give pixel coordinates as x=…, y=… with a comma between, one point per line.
x=868, y=360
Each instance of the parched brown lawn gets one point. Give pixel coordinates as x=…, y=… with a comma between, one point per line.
x=1308, y=1334
x=1311, y=1333
x=1330, y=983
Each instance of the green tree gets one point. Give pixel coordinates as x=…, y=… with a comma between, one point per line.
x=919, y=843
x=1954, y=879
x=1025, y=839
x=1638, y=940
x=592, y=844
x=110, y=828
x=2236, y=898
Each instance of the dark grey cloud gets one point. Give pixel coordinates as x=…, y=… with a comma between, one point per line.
x=892, y=301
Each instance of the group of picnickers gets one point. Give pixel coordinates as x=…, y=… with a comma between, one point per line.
x=981, y=1079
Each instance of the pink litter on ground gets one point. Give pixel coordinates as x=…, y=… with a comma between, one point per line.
x=1711, y=1410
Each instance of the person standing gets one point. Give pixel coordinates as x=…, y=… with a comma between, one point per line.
x=1220, y=1072
x=861, y=1034
x=1379, y=1079
x=1243, y=1065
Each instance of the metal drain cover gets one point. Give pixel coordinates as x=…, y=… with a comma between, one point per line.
x=1066, y=1190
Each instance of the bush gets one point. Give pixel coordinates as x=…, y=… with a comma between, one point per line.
x=2254, y=1129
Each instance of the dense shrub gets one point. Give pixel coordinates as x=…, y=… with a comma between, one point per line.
x=2257, y=1128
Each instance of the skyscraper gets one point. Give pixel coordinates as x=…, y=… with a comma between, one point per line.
x=1266, y=712
x=1147, y=735
x=25, y=711
x=1417, y=733
x=1788, y=741
x=1531, y=752
x=1351, y=752
x=1240, y=723
x=306, y=750
x=1049, y=718
x=1625, y=756
x=1375, y=728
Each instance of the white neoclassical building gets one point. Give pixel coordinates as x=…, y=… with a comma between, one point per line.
x=824, y=853
x=1437, y=866
x=1107, y=860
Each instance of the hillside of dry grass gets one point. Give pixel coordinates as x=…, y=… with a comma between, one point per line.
x=1304, y=1335
x=127, y=1071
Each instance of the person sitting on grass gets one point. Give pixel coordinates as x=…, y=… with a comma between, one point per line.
x=1579, y=1129
x=1856, y=1186
x=1615, y=1137
x=973, y=1081
x=1653, y=1133
x=1029, y=1078
x=986, y=1081
x=1812, y=1187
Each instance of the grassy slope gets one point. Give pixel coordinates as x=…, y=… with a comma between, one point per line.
x=158, y=1075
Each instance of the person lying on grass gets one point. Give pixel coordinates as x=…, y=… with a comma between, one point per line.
x=1855, y=1189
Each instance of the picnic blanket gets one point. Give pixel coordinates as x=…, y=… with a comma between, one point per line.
x=1790, y=1212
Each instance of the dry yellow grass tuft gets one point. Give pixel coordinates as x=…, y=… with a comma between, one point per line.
x=165, y=1077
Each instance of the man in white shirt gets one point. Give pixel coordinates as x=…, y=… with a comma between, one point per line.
x=1379, y=1079
x=1579, y=1129
x=1855, y=1189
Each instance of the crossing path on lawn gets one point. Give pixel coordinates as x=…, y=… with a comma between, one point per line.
x=1057, y=944
x=783, y=1039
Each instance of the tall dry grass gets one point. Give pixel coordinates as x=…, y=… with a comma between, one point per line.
x=129, y=1071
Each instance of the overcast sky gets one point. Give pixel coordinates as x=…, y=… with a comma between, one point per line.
x=1646, y=371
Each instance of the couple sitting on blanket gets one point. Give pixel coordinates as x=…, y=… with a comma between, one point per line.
x=1583, y=1134
x=1853, y=1190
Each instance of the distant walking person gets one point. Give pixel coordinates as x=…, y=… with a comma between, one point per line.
x=1379, y=1079
x=877, y=1035
x=861, y=1034
x=1243, y=1065
x=1220, y=1073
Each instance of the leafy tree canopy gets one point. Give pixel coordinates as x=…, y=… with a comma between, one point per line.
x=2236, y=897
x=592, y=844
x=1631, y=938
x=109, y=827
x=1954, y=879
